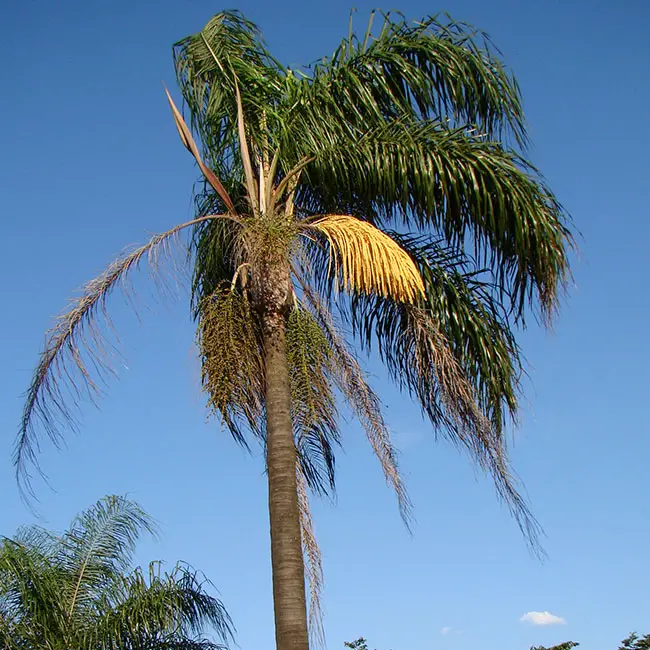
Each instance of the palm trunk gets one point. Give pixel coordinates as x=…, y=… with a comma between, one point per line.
x=286, y=547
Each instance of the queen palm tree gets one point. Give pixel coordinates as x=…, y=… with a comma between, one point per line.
x=78, y=589
x=381, y=192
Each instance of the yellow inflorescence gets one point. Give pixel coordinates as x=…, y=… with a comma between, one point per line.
x=368, y=260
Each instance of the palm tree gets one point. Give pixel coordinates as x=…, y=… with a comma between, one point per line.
x=380, y=192
x=77, y=590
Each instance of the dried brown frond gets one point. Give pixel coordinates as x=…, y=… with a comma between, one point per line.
x=288, y=184
x=313, y=563
x=368, y=260
x=188, y=141
x=366, y=406
x=247, y=161
x=230, y=346
x=75, y=359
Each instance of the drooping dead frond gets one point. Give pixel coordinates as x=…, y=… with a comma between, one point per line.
x=368, y=260
x=75, y=355
x=313, y=563
x=365, y=404
x=313, y=405
x=229, y=341
x=367, y=408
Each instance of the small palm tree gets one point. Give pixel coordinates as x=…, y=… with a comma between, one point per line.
x=77, y=590
x=380, y=191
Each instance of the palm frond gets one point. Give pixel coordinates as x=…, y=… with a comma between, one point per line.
x=99, y=545
x=189, y=644
x=432, y=69
x=367, y=260
x=230, y=345
x=313, y=563
x=76, y=590
x=216, y=251
x=75, y=356
x=29, y=593
x=190, y=145
x=174, y=608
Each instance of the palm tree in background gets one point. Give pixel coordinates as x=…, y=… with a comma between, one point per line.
x=78, y=589
x=380, y=193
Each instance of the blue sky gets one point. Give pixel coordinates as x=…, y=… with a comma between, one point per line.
x=90, y=162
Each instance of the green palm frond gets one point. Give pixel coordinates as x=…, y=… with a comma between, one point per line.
x=435, y=68
x=422, y=362
x=29, y=592
x=98, y=545
x=189, y=644
x=215, y=247
x=172, y=607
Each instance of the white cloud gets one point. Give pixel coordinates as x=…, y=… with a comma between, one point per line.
x=445, y=630
x=542, y=618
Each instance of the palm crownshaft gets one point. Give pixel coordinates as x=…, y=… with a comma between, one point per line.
x=376, y=188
